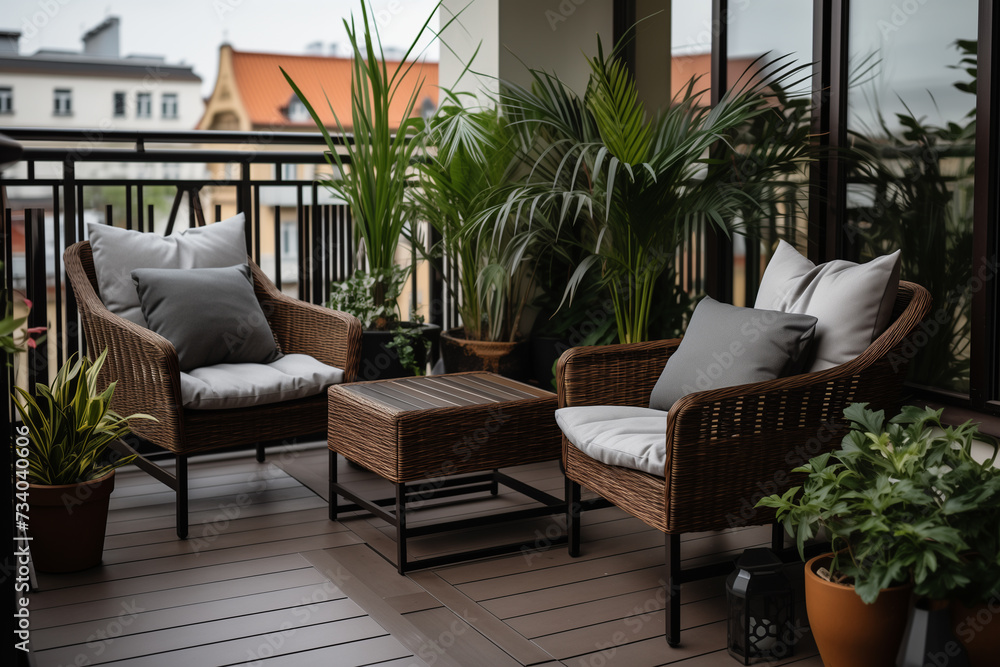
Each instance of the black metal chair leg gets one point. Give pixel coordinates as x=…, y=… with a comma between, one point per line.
x=333, y=480
x=260, y=452
x=573, y=517
x=401, y=528
x=182, y=496
x=494, y=485
x=673, y=606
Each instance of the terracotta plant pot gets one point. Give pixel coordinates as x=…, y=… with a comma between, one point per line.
x=511, y=360
x=66, y=524
x=978, y=628
x=848, y=632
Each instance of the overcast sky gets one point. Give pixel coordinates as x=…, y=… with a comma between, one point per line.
x=192, y=30
x=917, y=36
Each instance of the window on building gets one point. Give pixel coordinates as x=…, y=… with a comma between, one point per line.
x=62, y=102
x=289, y=172
x=144, y=105
x=170, y=105
x=6, y=100
x=297, y=112
x=119, y=104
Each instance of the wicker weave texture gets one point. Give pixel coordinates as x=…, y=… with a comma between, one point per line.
x=145, y=366
x=727, y=447
x=409, y=445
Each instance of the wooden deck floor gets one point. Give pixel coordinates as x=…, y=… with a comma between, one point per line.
x=266, y=579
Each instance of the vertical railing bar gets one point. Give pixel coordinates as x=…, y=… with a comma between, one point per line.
x=57, y=275
x=8, y=288
x=149, y=216
x=34, y=237
x=140, y=223
x=192, y=215
x=108, y=215
x=300, y=241
x=256, y=227
x=218, y=213
x=128, y=207
x=316, y=247
x=277, y=247
x=71, y=235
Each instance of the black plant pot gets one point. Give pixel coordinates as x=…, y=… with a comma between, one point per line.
x=545, y=350
x=380, y=362
x=929, y=638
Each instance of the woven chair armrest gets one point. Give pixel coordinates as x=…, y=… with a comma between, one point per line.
x=330, y=336
x=728, y=447
x=142, y=362
x=621, y=374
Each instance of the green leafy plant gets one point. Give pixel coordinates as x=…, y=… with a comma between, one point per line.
x=902, y=501
x=472, y=159
x=356, y=295
x=70, y=425
x=406, y=341
x=370, y=170
x=628, y=189
x=922, y=178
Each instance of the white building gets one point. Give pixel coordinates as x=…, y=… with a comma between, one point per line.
x=95, y=88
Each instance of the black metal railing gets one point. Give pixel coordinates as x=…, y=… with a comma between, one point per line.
x=66, y=178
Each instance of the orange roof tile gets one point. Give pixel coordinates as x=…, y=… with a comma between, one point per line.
x=266, y=94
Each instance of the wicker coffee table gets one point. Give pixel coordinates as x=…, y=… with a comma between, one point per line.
x=423, y=433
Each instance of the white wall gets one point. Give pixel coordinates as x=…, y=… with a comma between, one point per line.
x=554, y=35
x=93, y=102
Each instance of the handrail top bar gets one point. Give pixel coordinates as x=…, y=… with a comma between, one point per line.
x=260, y=137
x=59, y=154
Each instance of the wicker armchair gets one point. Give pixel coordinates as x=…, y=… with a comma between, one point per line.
x=145, y=366
x=725, y=447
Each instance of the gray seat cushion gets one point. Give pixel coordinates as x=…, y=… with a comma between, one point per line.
x=618, y=435
x=211, y=316
x=118, y=252
x=245, y=385
x=852, y=302
x=726, y=346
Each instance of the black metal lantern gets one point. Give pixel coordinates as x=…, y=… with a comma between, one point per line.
x=761, y=612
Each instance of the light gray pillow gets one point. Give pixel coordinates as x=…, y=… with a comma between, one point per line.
x=725, y=346
x=852, y=302
x=211, y=316
x=118, y=252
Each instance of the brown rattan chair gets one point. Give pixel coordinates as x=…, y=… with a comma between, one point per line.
x=725, y=447
x=145, y=366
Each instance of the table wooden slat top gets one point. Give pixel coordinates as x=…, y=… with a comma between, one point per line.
x=445, y=391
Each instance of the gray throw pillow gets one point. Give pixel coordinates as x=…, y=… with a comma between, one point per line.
x=211, y=316
x=725, y=346
x=853, y=302
x=118, y=252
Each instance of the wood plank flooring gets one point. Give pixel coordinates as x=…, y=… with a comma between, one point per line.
x=266, y=579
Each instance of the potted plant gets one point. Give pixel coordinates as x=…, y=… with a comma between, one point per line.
x=472, y=162
x=371, y=169
x=628, y=188
x=67, y=429
x=907, y=510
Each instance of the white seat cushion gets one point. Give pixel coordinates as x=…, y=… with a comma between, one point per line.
x=618, y=435
x=243, y=385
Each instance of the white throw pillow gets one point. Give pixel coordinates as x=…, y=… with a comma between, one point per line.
x=851, y=302
x=118, y=252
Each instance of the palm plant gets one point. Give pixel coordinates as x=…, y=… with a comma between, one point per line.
x=629, y=189
x=371, y=171
x=472, y=158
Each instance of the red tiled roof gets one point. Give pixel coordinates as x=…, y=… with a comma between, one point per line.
x=266, y=94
